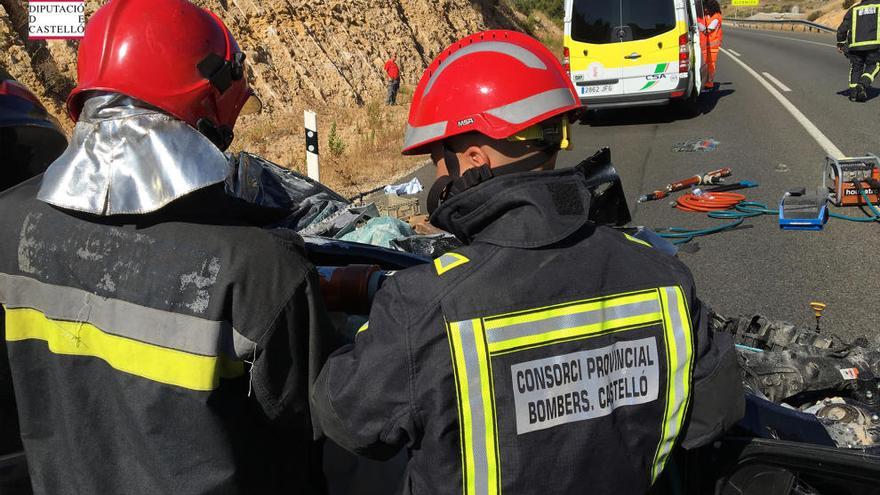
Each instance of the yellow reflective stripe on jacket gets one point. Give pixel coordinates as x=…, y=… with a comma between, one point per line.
x=855, y=17
x=680, y=356
x=573, y=321
x=637, y=241
x=363, y=327
x=449, y=261
x=159, y=364
x=166, y=329
x=476, y=402
x=473, y=344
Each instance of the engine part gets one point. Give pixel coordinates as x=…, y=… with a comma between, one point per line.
x=814, y=373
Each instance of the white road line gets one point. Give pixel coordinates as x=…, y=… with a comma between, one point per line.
x=777, y=82
x=792, y=39
x=802, y=119
x=734, y=52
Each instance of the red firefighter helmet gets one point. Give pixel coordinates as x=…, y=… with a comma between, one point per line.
x=30, y=138
x=497, y=83
x=171, y=54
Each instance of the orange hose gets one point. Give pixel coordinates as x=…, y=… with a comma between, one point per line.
x=709, y=201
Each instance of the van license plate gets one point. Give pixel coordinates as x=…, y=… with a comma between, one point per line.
x=597, y=90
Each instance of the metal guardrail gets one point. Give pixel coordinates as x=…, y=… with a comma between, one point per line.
x=807, y=25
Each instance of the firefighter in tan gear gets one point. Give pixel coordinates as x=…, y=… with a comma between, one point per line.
x=159, y=339
x=549, y=354
x=858, y=36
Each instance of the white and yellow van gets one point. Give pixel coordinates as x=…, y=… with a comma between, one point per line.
x=634, y=52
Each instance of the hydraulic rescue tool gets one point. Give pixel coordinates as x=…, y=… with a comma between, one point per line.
x=845, y=180
x=853, y=181
x=713, y=177
x=350, y=288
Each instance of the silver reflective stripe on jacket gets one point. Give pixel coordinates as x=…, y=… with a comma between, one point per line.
x=124, y=319
x=126, y=158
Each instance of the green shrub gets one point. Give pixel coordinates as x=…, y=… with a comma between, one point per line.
x=848, y=3
x=814, y=15
x=553, y=8
x=337, y=147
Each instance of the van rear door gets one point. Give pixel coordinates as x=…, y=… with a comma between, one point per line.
x=700, y=45
x=595, y=51
x=652, y=30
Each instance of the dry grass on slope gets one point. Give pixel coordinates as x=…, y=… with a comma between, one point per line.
x=365, y=148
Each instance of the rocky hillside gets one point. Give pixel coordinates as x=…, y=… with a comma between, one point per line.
x=300, y=50
x=832, y=14
x=325, y=55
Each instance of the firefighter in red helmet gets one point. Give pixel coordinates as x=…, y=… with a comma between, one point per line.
x=547, y=355
x=30, y=138
x=160, y=340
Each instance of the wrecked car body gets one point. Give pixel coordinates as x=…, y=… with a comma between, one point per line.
x=812, y=399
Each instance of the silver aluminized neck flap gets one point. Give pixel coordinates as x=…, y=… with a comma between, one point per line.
x=126, y=157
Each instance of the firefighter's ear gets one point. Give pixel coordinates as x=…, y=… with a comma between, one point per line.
x=475, y=157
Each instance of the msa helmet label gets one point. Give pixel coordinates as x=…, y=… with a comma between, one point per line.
x=462, y=123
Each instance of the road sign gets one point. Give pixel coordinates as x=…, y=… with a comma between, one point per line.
x=752, y=3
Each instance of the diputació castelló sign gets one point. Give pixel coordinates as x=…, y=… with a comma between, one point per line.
x=56, y=19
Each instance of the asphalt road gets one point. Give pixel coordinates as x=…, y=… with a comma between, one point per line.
x=758, y=268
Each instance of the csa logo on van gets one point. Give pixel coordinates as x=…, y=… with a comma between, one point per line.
x=655, y=77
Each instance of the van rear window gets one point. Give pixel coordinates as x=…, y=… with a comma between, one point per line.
x=594, y=21
x=612, y=21
x=648, y=18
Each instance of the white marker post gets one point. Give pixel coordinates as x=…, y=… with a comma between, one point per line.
x=313, y=169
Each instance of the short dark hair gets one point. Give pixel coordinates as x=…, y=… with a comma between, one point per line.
x=712, y=7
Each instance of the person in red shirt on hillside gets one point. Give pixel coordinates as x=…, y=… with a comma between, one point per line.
x=393, y=73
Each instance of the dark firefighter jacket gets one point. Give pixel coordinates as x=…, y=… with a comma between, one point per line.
x=170, y=352
x=859, y=29
x=546, y=356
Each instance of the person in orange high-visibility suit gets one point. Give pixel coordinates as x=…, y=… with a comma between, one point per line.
x=711, y=36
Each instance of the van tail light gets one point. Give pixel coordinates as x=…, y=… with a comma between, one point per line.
x=566, y=62
x=684, y=54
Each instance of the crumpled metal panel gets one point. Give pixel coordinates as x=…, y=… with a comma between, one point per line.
x=259, y=181
x=314, y=209
x=126, y=157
